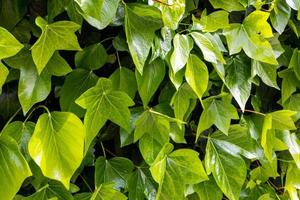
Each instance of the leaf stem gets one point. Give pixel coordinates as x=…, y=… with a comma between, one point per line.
x=12, y=117
x=251, y=111
x=103, y=149
x=166, y=4
x=86, y=183
x=118, y=58
x=106, y=39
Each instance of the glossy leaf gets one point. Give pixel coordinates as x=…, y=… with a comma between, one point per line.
x=150, y=80
x=54, y=136
x=216, y=112
x=249, y=37
x=98, y=13
x=183, y=44
x=114, y=170
x=106, y=192
x=172, y=171
x=141, y=22
x=14, y=168
x=55, y=36
x=212, y=22
x=228, y=169
x=196, y=75
x=103, y=103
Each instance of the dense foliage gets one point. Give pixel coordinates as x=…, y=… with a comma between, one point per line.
x=149, y=99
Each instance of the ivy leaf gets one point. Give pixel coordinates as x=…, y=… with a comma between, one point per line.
x=34, y=88
x=216, y=112
x=183, y=44
x=196, y=75
x=150, y=80
x=107, y=192
x=140, y=185
x=141, y=22
x=282, y=120
x=280, y=15
x=212, y=22
x=292, y=181
x=293, y=143
x=53, y=190
x=173, y=171
x=289, y=85
x=152, y=130
x=14, y=168
x=92, y=57
x=76, y=83
x=294, y=63
x=207, y=190
x=183, y=101
x=209, y=47
x=102, y=104
x=114, y=170
x=98, y=13
x=233, y=5
x=266, y=72
x=250, y=35
x=9, y=46
x=267, y=136
x=172, y=13
x=228, y=169
x=123, y=79
x=21, y=133
x=294, y=4
x=57, y=36
x=52, y=145
x=238, y=79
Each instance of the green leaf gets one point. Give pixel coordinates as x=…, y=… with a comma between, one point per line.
x=98, y=13
x=52, y=190
x=266, y=72
x=183, y=44
x=14, y=168
x=209, y=47
x=196, y=75
x=55, y=7
x=173, y=171
x=228, y=169
x=172, y=13
x=238, y=79
x=114, y=170
x=34, y=88
x=208, y=190
x=282, y=120
x=102, y=104
x=293, y=143
x=212, y=22
x=9, y=45
x=294, y=4
x=289, y=84
x=150, y=80
x=107, y=192
x=233, y=5
x=56, y=36
x=11, y=12
x=21, y=133
x=216, y=112
x=123, y=79
x=182, y=101
x=140, y=185
x=76, y=83
x=250, y=35
x=267, y=136
x=3, y=74
x=152, y=130
x=280, y=15
x=141, y=22
x=52, y=145
x=92, y=57
x=294, y=63
x=292, y=181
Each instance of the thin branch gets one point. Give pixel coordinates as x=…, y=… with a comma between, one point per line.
x=251, y=111
x=166, y=4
